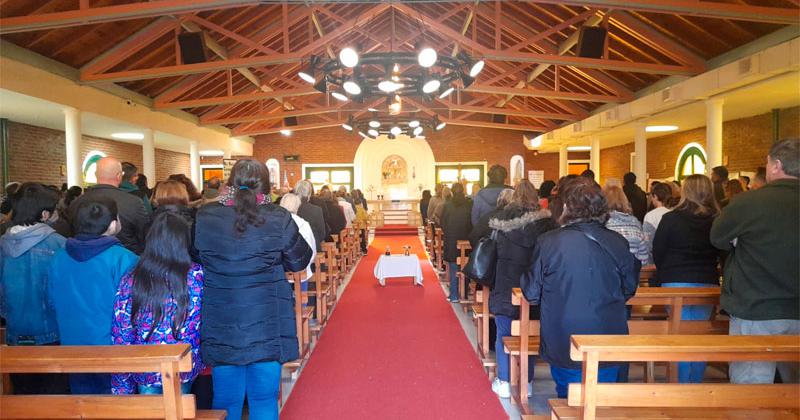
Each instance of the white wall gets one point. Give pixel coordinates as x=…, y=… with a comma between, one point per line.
x=371, y=154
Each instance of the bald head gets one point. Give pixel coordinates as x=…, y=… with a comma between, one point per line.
x=109, y=171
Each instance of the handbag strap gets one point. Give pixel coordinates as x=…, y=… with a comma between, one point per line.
x=605, y=249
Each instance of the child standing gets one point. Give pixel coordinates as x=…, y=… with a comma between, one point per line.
x=159, y=303
x=85, y=276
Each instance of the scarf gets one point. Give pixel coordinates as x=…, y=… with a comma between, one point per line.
x=227, y=197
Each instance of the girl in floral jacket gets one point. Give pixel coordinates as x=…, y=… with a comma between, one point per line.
x=159, y=303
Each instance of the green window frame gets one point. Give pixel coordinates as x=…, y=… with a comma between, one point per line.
x=461, y=168
x=687, y=158
x=330, y=175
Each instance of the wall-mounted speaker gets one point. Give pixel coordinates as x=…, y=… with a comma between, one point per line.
x=290, y=121
x=193, y=47
x=591, y=41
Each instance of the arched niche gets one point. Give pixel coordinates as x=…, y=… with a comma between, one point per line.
x=274, y=168
x=516, y=169
x=419, y=167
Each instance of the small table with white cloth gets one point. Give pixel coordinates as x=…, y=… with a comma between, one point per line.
x=398, y=265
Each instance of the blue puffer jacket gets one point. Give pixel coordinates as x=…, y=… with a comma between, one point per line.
x=248, y=305
x=25, y=257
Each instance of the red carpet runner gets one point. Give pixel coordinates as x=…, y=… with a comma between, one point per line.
x=396, y=352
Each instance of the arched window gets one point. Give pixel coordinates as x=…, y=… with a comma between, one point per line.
x=90, y=166
x=691, y=160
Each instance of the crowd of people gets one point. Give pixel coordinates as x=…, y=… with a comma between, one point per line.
x=119, y=263
x=576, y=249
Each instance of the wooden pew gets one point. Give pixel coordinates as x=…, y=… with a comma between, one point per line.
x=169, y=360
x=302, y=314
x=463, y=248
x=322, y=289
x=524, y=340
x=438, y=244
x=333, y=273
x=590, y=400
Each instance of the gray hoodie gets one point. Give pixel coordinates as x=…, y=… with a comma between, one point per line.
x=20, y=239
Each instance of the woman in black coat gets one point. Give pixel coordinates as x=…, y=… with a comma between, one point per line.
x=246, y=245
x=517, y=228
x=456, y=226
x=336, y=219
x=582, y=275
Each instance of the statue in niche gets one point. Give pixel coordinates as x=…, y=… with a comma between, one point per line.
x=518, y=172
x=394, y=170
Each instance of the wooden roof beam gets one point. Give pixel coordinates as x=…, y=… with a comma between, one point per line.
x=261, y=116
x=541, y=93
x=101, y=14
x=230, y=99
x=300, y=127
x=131, y=45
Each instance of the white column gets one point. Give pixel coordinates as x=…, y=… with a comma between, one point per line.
x=714, y=133
x=73, y=135
x=640, y=160
x=194, y=164
x=563, y=165
x=594, y=158
x=149, y=157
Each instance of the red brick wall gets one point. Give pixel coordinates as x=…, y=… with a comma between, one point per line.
x=745, y=144
x=335, y=145
x=38, y=154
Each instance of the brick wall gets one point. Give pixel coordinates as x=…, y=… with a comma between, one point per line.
x=745, y=144
x=38, y=154
x=335, y=145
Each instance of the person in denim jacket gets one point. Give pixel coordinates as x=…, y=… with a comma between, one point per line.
x=26, y=251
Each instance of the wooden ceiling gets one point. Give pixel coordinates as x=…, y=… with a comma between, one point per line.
x=256, y=48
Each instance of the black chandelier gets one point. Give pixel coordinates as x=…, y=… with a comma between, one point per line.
x=393, y=126
x=357, y=76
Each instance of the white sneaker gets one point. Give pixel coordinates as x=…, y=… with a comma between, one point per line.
x=501, y=388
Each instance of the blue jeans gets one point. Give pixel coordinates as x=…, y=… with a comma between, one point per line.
x=90, y=383
x=453, y=281
x=186, y=388
x=503, y=359
x=259, y=381
x=563, y=377
x=692, y=372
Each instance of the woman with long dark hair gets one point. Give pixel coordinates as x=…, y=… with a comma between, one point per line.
x=246, y=245
x=159, y=303
x=456, y=226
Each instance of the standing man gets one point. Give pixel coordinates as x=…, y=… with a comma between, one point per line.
x=486, y=199
x=311, y=213
x=719, y=176
x=130, y=173
x=761, y=289
x=635, y=195
x=132, y=213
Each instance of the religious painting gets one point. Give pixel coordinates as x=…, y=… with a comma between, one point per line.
x=274, y=168
x=394, y=171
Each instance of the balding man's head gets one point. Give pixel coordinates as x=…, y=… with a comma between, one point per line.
x=109, y=171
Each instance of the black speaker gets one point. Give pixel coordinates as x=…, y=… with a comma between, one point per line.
x=290, y=121
x=193, y=47
x=591, y=41
x=499, y=118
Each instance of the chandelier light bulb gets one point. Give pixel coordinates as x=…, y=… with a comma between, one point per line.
x=476, y=68
x=352, y=87
x=347, y=127
x=348, y=57
x=307, y=77
x=413, y=123
x=389, y=86
x=441, y=125
x=431, y=86
x=447, y=92
x=418, y=131
x=374, y=124
x=396, y=130
x=286, y=132
x=339, y=96
x=373, y=132
x=396, y=68
x=427, y=57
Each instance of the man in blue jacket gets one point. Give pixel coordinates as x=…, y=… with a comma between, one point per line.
x=84, y=277
x=486, y=199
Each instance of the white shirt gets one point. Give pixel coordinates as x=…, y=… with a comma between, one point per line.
x=349, y=214
x=308, y=235
x=650, y=225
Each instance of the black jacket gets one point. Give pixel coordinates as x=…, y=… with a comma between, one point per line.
x=313, y=215
x=336, y=219
x=456, y=226
x=638, y=200
x=325, y=216
x=481, y=229
x=248, y=306
x=423, y=209
x=517, y=232
x=135, y=219
x=581, y=286
x=682, y=249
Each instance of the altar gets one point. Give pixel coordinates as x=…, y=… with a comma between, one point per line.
x=398, y=265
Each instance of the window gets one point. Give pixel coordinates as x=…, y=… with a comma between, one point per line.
x=692, y=160
x=90, y=166
x=450, y=174
x=333, y=176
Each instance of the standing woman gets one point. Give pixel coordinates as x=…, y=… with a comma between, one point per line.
x=456, y=226
x=684, y=256
x=423, y=206
x=246, y=244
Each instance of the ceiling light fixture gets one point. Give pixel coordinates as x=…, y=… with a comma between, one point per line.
x=660, y=128
x=128, y=136
x=212, y=153
x=413, y=123
x=396, y=130
x=440, y=126
x=427, y=57
x=579, y=148
x=340, y=96
x=307, y=77
x=347, y=126
x=348, y=57
x=352, y=87
x=373, y=132
x=286, y=132
x=432, y=85
x=476, y=68
x=418, y=131
x=447, y=92
x=389, y=86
